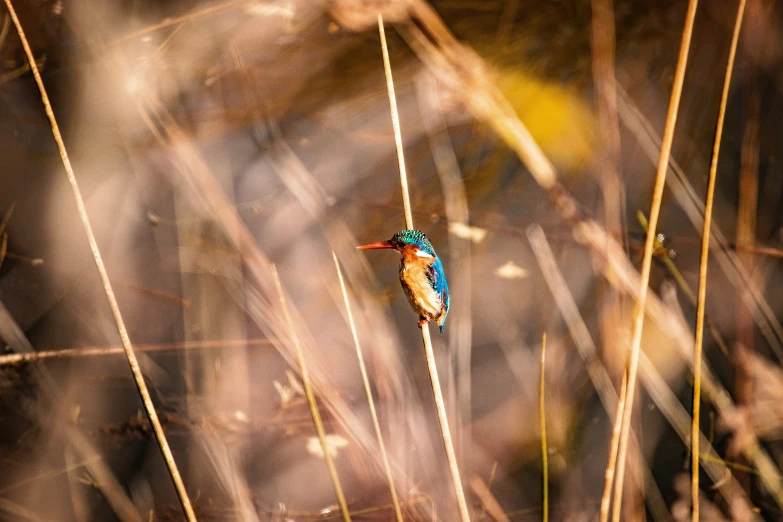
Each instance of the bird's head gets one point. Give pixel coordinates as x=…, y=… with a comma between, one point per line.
x=413, y=239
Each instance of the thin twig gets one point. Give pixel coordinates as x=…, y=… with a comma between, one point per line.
x=542, y=417
x=319, y=427
x=96, y=254
x=440, y=406
x=655, y=209
x=368, y=393
x=12, y=359
x=705, y=250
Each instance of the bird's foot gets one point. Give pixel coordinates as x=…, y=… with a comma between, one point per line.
x=423, y=322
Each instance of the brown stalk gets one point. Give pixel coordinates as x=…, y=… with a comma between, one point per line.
x=133, y=362
x=705, y=251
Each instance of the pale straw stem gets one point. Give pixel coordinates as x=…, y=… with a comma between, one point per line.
x=395, y=116
x=655, y=209
x=319, y=427
x=542, y=416
x=368, y=393
x=133, y=362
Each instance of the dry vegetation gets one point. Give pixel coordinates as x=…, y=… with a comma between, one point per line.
x=231, y=155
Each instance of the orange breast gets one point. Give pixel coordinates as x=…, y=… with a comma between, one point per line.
x=413, y=276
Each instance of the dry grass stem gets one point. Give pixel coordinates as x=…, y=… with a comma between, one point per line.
x=443, y=421
x=602, y=40
x=614, y=446
x=12, y=359
x=655, y=209
x=429, y=354
x=705, y=250
x=133, y=362
x=368, y=393
x=214, y=172
x=395, y=116
x=319, y=427
x=542, y=421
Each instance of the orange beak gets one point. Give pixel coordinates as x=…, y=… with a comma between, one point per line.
x=377, y=244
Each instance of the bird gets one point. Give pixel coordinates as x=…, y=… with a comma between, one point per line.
x=421, y=275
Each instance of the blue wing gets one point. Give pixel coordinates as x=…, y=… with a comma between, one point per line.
x=437, y=279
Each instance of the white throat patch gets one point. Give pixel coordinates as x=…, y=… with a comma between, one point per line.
x=422, y=253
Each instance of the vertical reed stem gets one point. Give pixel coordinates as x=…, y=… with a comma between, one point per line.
x=130, y=354
x=319, y=427
x=368, y=393
x=542, y=416
x=705, y=250
x=440, y=406
x=655, y=209
x=611, y=465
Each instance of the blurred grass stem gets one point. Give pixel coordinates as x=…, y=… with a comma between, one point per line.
x=319, y=427
x=11, y=359
x=542, y=417
x=611, y=465
x=133, y=362
x=440, y=406
x=368, y=393
x=655, y=209
x=705, y=250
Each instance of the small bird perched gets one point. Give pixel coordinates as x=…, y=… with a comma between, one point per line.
x=421, y=275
